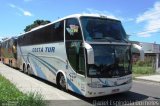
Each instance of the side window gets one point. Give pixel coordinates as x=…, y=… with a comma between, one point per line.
x=76, y=57
x=48, y=34
x=58, y=31
x=73, y=31
x=74, y=49
x=51, y=33
x=81, y=56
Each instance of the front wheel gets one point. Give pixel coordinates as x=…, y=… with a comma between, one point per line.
x=62, y=82
x=24, y=69
x=29, y=70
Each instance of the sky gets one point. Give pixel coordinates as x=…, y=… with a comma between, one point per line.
x=140, y=18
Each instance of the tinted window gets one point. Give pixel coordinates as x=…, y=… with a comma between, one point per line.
x=74, y=48
x=73, y=31
x=48, y=34
x=102, y=29
x=76, y=57
x=110, y=61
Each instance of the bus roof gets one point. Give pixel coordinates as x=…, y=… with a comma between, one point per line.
x=7, y=39
x=91, y=15
x=72, y=16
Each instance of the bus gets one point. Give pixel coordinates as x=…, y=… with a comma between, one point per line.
x=88, y=54
x=9, y=52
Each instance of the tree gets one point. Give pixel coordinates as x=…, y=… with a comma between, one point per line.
x=36, y=24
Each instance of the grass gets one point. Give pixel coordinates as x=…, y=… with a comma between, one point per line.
x=10, y=95
x=142, y=70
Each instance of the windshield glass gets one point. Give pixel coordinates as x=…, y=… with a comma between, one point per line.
x=111, y=61
x=102, y=29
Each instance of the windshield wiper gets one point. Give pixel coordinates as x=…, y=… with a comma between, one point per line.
x=122, y=40
x=102, y=39
x=125, y=40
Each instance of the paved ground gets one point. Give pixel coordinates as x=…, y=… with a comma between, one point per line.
x=141, y=94
x=149, y=89
x=158, y=70
x=27, y=84
x=151, y=78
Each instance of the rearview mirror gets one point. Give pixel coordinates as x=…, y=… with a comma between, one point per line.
x=90, y=53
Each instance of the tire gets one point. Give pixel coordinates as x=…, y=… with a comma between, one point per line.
x=24, y=69
x=28, y=70
x=62, y=82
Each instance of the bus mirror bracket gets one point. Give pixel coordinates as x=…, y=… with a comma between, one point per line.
x=90, y=53
x=141, y=51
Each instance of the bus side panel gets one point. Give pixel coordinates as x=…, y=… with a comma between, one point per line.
x=45, y=59
x=76, y=82
x=20, y=58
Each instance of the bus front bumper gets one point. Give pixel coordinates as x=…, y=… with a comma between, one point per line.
x=95, y=92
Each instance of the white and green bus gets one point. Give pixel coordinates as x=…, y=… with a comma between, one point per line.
x=85, y=53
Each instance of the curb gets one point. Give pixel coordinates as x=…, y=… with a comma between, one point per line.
x=147, y=81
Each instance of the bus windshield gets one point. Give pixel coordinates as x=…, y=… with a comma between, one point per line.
x=95, y=29
x=110, y=61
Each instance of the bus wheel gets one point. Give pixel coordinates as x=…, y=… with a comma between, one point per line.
x=28, y=70
x=24, y=69
x=62, y=82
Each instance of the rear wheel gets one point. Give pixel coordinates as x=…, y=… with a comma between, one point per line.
x=62, y=82
x=28, y=70
x=24, y=69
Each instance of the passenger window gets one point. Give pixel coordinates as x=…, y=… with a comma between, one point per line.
x=58, y=31
x=74, y=49
x=47, y=34
x=73, y=31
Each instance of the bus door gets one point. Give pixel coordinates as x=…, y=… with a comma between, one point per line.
x=76, y=56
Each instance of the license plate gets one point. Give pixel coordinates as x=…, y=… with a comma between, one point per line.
x=115, y=90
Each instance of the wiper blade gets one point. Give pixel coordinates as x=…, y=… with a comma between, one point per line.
x=108, y=39
x=125, y=40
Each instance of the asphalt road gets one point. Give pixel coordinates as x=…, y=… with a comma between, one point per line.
x=141, y=94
